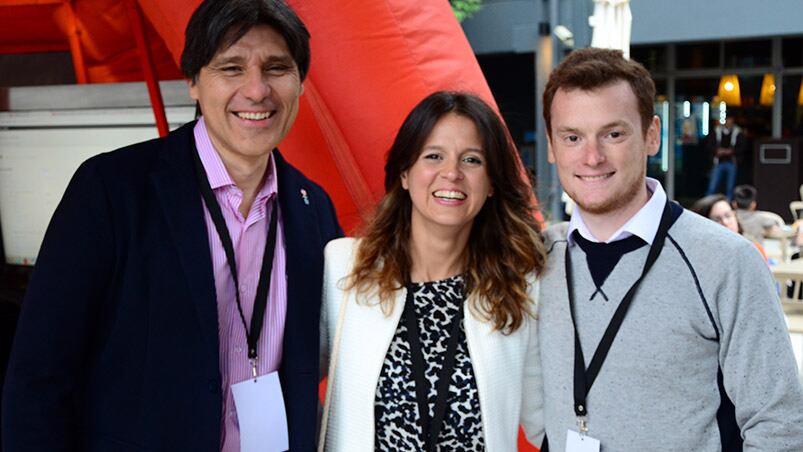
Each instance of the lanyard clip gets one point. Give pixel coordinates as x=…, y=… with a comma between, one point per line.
x=582, y=424
x=254, y=368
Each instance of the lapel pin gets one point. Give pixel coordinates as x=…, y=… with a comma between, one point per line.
x=304, y=196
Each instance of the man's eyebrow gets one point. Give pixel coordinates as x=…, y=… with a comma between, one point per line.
x=567, y=129
x=223, y=59
x=280, y=59
x=609, y=125
x=613, y=124
x=237, y=59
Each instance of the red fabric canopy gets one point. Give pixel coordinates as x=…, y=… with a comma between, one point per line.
x=102, y=28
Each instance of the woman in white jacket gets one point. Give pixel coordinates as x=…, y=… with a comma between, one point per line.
x=428, y=318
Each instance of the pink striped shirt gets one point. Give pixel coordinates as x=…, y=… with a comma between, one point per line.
x=248, y=236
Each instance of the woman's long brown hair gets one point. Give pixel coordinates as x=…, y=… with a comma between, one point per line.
x=505, y=243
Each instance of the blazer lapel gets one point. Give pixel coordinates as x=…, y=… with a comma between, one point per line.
x=177, y=188
x=366, y=337
x=367, y=321
x=483, y=348
x=304, y=267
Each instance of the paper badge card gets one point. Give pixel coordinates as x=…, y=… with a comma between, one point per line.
x=261, y=414
x=576, y=442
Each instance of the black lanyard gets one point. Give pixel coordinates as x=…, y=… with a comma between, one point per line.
x=430, y=431
x=261, y=299
x=584, y=378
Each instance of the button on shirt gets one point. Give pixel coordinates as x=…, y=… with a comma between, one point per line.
x=248, y=237
x=643, y=224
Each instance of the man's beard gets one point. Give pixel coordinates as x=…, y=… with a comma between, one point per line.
x=615, y=201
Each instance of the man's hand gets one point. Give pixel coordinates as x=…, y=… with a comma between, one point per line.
x=724, y=152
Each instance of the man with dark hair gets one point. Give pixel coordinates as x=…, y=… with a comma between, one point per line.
x=756, y=224
x=175, y=301
x=726, y=144
x=659, y=329
x=744, y=197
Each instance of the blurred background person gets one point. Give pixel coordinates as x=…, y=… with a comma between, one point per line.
x=756, y=224
x=717, y=208
x=429, y=316
x=726, y=144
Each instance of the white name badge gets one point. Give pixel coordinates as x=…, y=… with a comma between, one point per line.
x=576, y=442
x=261, y=414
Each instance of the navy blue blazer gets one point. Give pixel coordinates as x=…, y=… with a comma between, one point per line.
x=117, y=343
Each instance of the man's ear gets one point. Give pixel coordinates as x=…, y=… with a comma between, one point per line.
x=653, y=138
x=550, y=153
x=193, y=89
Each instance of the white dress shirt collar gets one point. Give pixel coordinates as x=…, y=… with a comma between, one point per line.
x=643, y=224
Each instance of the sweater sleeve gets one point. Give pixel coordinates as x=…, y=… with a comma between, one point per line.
x=759, y=370
x=532, y=409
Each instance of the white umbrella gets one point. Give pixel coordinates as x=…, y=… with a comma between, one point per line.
x=611, y=22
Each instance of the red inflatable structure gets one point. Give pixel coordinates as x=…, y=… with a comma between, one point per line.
x=372, y=61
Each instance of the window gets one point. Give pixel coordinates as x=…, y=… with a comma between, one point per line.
x=699, y=55
x=745, y=54
x=652, y=57
x=792, y=52
x=792, y=116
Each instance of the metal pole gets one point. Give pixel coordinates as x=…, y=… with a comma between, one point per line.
x=555, y=189
x=74, y=37
x=543, y=171
x=777, y=108
x=545, y=60
x=148, y=69
x=669, y=181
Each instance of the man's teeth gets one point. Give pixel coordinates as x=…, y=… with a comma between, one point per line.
x=592, y=178
x=254, y=116
x=447, y=194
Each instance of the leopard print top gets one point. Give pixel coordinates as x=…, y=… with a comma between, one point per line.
x=395, y=409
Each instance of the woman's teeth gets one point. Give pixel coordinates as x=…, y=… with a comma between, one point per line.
x=448, y=194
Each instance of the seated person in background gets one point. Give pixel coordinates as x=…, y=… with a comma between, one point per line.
x=798, y=236
x=716, y=207
x=756, y=224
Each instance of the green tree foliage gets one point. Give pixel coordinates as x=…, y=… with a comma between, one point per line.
x=464, y=9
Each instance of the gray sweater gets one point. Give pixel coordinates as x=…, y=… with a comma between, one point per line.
x=708, y=307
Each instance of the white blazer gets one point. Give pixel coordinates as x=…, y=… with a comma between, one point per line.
x=506, y=367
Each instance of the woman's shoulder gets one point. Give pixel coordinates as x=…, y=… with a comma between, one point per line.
x=339, y=256
x=341, y=249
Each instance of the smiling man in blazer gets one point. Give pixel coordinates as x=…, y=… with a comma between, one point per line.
x=138, y=325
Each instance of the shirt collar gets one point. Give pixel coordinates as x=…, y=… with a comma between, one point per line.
x=643, y=224
x=216, y=171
